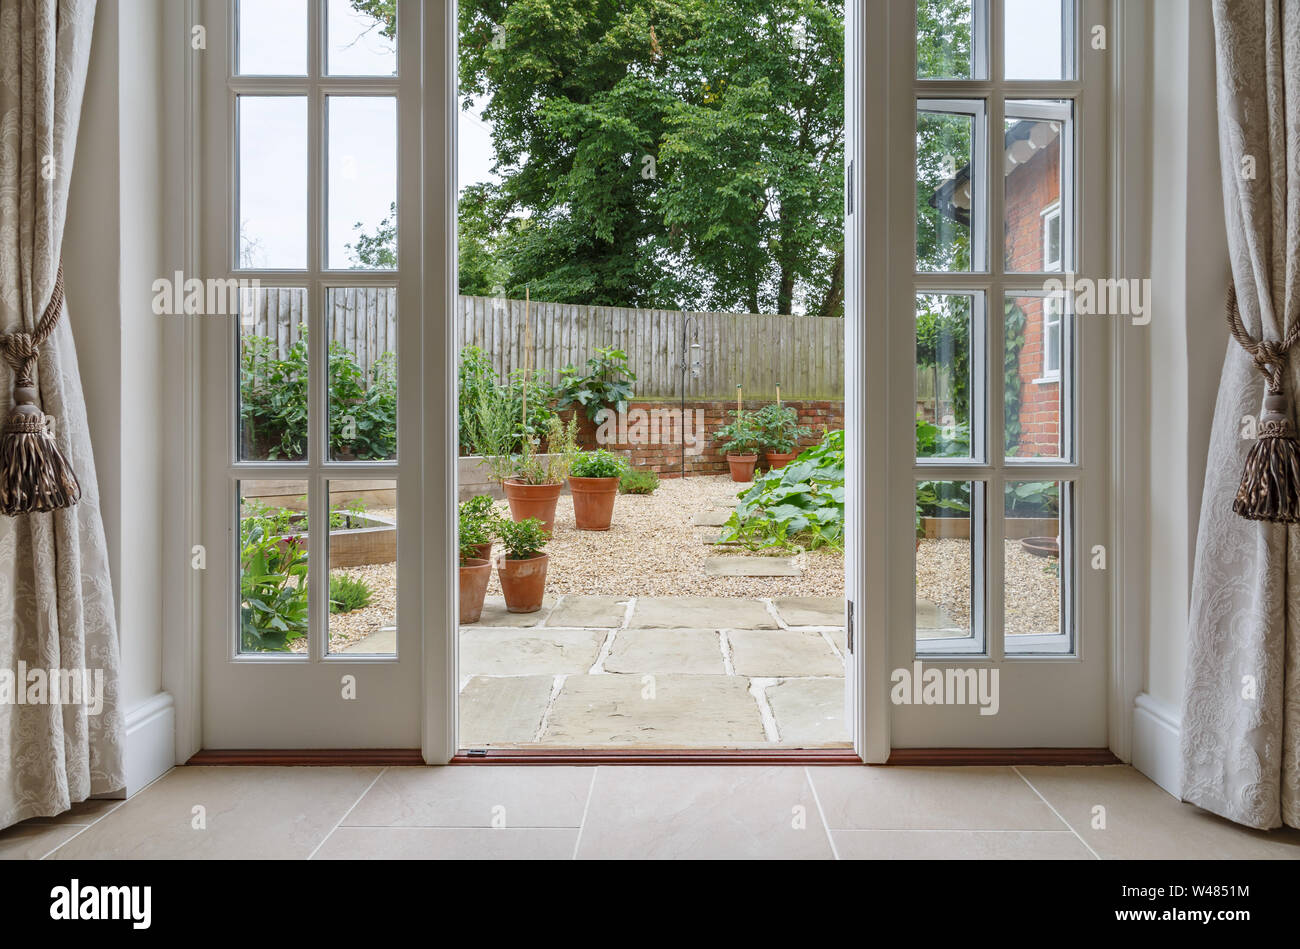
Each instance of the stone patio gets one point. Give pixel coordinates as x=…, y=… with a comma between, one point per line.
x=656, y=673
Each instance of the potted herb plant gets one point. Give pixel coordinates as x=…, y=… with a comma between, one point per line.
x=523, y=568
x=781, y=434
x=594, y=480
x=741, y=441
x=534, y=488
x=478, y=524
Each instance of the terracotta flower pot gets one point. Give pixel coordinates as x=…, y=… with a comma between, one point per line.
x=474, y=577
x=777, y=460
x=483, y=552
x=593, y=502
x=523, y=582
x=742, y=467
x=533, y=500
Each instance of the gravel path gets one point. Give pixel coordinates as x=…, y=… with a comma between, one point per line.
x=1033, y=591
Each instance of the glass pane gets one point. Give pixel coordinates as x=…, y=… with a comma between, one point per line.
x=362, y=38
x=363, y=568
x=272, y=38
x=1038, y=189
x=273, y=591
x=946, y=196
x=363, y=373
x=362, y=183
x=273, y=182
x=1037, y=41
x=945, y=566
x=945, y=31
x=273, y=390
x=1036, y=383
x=1033, y=568
x=944, y=385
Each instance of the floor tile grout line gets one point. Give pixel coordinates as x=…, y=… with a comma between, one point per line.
x=1058, y=814
x=830, y=838
x=120, y=805
x=347, y=813
x=582, y=822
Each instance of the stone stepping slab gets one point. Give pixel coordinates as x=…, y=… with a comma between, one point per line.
x=497, y=616
x=700, y=612
x=516, y=652
x=711, y=518
x=674, y=711
x=666, y=651
x=810, y=610
x=808, y=712
x=780, y=654
x=503, y=711
x=752, y=567
x=589, y=612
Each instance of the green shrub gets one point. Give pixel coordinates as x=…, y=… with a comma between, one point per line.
x=533, y=466
x=479, y=525
x=799, y=506
x=598, y=464
x=491, y=413
x=780, y=429
x=639, y=482
x=742, y=436
x=273, y=603
x=523, y=540
x=607, y=384
x=348, y=594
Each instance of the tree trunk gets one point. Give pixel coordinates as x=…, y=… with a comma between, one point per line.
x=835, y=295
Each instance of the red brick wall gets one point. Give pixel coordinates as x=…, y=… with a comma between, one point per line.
x=1031, y=189
x=666, y=460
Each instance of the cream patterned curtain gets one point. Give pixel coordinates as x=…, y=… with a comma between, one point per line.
x=56, y=602
x=1241, y=709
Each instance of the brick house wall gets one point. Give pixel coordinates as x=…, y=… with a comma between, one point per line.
x=666, y=459
x=1031, y=189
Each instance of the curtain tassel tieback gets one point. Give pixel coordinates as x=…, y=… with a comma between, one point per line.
x=1270, y=484
x=35, y=477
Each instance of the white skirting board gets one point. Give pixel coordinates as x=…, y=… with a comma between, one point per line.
x=1157, y=730
x=150, y=741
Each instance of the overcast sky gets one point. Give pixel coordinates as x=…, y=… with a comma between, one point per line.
x=362, y=132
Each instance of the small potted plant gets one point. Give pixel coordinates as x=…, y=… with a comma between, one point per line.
x=781, y=434
x=478, y=525
x=534, y=488
x=594, y=480
x=523, y=568
x=741, y=441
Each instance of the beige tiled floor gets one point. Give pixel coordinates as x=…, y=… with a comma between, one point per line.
x=746, y=812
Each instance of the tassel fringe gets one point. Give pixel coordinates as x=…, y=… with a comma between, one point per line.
x=36, y=478
x=1270, y=485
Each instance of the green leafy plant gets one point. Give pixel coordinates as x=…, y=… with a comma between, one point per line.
x=1033, y=499
x=606, y=384
x=933, y=441
x=491, y=415
x=639, y=482
x=534, y=467
x=798, y=507
x=523, y=540
x=273, y=603
x=743, y=436
x=780, y=428
x=934, y=497
x=348, y=594
x=479, y=525
x=598, y=464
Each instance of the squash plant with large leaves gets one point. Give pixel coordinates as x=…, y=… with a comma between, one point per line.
x=797, y=507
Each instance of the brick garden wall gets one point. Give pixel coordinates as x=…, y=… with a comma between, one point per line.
x=666, y=459
x=1031, y=189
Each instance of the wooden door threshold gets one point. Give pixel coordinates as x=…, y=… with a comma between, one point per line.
x=341, y=758
x=638, y=756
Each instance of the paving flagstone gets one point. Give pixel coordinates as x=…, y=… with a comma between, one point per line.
x=782, y=653
x=700, y=612
x=811, y=610
x=666, y=651
x=515, y=652
x=496, y=615
x=503, y=711
x=589, y=612
x=713, y=518
x=933, y=622
x=752, y=567
x=683, y=712
x=809, y=712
